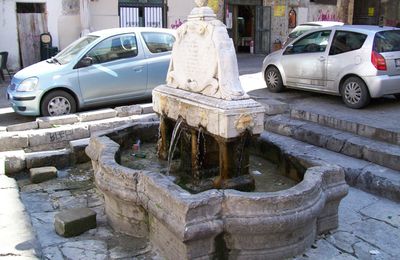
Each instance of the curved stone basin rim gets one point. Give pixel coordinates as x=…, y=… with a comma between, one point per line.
x=275, y=225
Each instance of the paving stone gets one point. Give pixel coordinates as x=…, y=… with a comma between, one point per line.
x=42, y=174
x=13, y=141
x=97, y=115
x=125, y=111
x=43, y=224
x=58, y=158
x=86, y=249
x=23, y=126
x=55, y=121
x=74, y=222
x=14, y=161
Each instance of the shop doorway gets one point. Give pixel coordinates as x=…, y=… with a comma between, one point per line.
x=366, y=12
x=249, y=26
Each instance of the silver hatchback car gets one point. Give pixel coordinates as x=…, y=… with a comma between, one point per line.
x=357, y=62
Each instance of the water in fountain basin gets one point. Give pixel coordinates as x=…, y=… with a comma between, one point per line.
x=266, y=174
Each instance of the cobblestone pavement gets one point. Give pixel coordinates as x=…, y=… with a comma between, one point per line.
x=74, y=188
x=369, y=225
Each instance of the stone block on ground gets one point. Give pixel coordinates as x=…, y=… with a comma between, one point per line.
x=23, y=126
x=74, y=222
x=125, y=111
x=14, y=161
x=42, y=174
x=54, y=121
x=147, y=108
x=97, y=115
x=78, y=150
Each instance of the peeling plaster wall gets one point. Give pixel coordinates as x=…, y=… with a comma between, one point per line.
x=305, y=11
x=9, y=32
x=63, y=23
x=178, y=11
x=103, y=15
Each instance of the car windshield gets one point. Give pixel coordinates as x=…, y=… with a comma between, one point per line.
x=387, y=41
x=66, y=55
x=299, y=30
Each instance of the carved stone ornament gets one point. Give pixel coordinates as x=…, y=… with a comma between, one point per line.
x=203, y=57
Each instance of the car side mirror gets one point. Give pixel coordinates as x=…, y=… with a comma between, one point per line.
x=288, y=50
x=84, y=62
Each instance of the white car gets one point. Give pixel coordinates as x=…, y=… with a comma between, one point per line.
x=357, y=62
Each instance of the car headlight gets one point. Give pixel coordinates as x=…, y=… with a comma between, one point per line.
x=28, y=84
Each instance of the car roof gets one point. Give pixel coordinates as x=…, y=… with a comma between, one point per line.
x=116, y=31
x=323, y=23
x=369, y=28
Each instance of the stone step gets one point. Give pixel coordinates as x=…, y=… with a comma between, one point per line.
x=382, y=153
x=361, y=174
x=361, y=129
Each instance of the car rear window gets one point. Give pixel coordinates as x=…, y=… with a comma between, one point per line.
x=345, y=41
x=158, y=42
x=387, y=41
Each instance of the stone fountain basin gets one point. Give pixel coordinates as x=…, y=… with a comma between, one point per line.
x=214, y=223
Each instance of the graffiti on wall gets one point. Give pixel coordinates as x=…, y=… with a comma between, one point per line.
x=326, y=15
x=176, y=24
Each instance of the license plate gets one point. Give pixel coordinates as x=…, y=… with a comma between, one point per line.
x=397, y=62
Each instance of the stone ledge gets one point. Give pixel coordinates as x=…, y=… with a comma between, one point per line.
x=97, y=115
x=50, y=122
x=384, y=154
x=352, y=127
x=54, y=121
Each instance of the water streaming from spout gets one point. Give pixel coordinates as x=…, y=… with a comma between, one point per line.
x=176, y=133
x=243, y=141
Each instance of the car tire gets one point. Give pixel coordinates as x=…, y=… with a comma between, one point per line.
x=273, y=80
x=57, y=103
x=355, y=93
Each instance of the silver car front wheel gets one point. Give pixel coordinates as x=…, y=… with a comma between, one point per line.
x=273, y=80
x=355, y=93
x=58, y=103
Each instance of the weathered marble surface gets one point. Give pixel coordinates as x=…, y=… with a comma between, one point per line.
x=204, y=59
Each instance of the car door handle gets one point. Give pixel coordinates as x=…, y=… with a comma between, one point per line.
x=138, y=69
x=321, y=58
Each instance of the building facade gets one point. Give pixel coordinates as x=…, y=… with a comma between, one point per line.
x=258, y=26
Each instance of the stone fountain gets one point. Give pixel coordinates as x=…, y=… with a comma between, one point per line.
x=203, y=90
x=217, y=216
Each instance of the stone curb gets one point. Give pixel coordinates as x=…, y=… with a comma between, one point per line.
x=363, y=175
x=50, y=122
x=352, y=127
x=63, y=129
x=384, y=154
x=73, y=151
